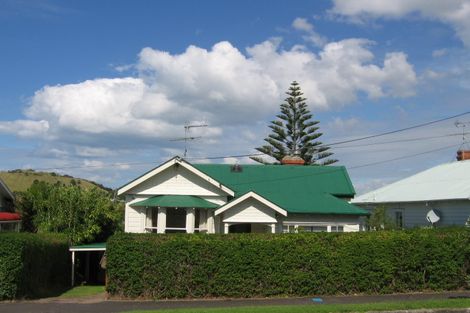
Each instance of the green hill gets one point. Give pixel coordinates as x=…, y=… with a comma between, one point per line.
x=20, y=180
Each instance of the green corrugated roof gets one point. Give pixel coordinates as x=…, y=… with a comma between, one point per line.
x=320, y=179
x=178, y=201
x=297, y=189
x=320, y=203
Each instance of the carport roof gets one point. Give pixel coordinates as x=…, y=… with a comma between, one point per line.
x=97, y=246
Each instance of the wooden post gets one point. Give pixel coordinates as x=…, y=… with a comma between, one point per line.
x=273, y=228
x=87, y=267
x=226, y=226
x=73, y=268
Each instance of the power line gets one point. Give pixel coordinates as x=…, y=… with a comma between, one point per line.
x=261, y=154
x=398, y=141
x=92, y=166
x=351, y=167
x=118, y=164
x=337, y=169
x=398, y=130
x=402, y=157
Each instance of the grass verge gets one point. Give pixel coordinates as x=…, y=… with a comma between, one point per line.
x=82, y=291
x=331, y=308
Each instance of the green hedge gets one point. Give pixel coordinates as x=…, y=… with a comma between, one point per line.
x=32, y=265
x=259, y=265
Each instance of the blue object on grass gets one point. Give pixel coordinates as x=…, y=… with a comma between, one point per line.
x=317, y=300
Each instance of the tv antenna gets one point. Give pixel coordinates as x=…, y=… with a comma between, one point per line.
x=462, y=125
x=187, y=137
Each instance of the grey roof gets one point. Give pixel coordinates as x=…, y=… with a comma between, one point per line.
x=449, y=181
x=5, y=191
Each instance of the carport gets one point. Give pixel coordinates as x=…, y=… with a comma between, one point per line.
x=93, y=254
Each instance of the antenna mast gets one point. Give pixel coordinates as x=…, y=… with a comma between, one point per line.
x=187, y=137
x=462, y=125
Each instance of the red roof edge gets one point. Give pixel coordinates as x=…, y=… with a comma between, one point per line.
x=7, y=216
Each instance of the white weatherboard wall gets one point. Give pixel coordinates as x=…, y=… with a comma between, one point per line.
x=350, y=223
x=134, y=217
x=250, y=211
x=452, y=212
x=175, y=180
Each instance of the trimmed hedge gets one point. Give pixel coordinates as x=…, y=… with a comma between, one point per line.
x=32, y=265
x=260, y=265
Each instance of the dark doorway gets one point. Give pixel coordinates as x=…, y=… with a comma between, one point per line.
x=240, y=228
x=88, y=268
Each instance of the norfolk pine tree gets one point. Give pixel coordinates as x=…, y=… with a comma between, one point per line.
x=294, y=132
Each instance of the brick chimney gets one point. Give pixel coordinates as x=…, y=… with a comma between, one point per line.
x=463, y=155
x=292, y=160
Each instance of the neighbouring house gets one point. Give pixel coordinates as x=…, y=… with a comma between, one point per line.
x=217, y=198
x=9, y=220
x=439, y=196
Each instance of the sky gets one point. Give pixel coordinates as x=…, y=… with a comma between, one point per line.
x=100, y=89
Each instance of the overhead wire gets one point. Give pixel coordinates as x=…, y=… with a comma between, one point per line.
x=352, y=167
x=399, y=130
x=118, y=164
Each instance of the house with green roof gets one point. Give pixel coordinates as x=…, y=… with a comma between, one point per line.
x=178, y=196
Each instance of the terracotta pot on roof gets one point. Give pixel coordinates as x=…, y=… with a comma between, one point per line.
x=292, y=160
x=463, y=155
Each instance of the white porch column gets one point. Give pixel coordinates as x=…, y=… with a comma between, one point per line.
x=210, y=222
x=226, y=226
x=273, y=228
x=161, y=220
x=148, y=219
x=190, y=220
x=203, y=220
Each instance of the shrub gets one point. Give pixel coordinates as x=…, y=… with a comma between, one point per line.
x=259, y=265
x=32, y=265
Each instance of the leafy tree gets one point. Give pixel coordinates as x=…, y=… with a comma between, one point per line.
x=380, y=220
x=85, y=215
x=294, y=132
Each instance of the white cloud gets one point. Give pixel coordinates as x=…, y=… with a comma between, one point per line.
x=312, y=36
x=221, y=86
x=344, y=124
x=455, y=13
x=439, y=53
x=25, y=128
x=302, y=24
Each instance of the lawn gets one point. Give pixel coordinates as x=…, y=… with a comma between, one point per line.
x=330, y=308
x=83, y=291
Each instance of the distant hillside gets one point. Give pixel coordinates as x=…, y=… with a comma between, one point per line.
x=20, y=180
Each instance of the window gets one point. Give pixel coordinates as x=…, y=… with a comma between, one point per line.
x=313, y=229
x=287, y=228
x=337, y=228
x=399, y=219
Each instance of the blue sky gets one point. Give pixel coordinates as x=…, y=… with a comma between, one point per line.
x=86, y=84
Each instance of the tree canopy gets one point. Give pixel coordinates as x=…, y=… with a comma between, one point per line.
x=83, y=214
x=295, y=133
